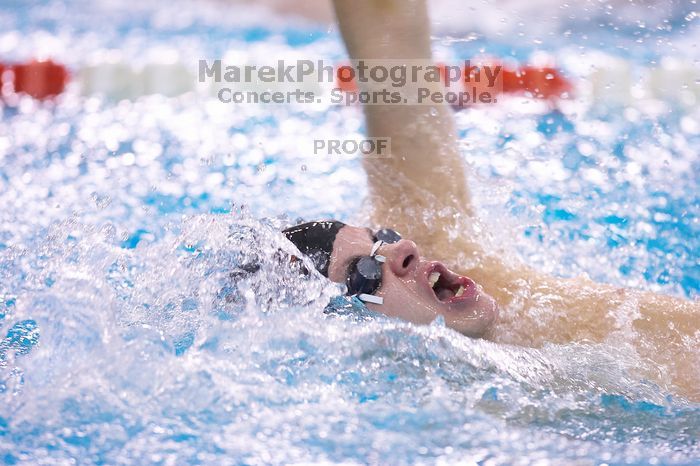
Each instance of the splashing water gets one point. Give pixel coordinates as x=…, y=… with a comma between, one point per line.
x=205, y=346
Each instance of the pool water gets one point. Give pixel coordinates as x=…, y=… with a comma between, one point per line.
x=124, y=338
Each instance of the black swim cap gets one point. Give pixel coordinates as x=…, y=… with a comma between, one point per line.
x=315, y=239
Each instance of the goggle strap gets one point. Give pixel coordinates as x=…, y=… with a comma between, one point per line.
x=370, y=298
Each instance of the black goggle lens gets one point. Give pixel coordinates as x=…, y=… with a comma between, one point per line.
x=365, y=276
x=365, y=273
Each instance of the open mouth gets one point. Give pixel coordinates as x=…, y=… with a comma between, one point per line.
x=449, y=287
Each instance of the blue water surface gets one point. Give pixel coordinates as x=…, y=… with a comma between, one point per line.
x=124, y=339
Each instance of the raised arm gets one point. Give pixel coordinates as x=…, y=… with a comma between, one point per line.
x=422, y=191
x=423, y=184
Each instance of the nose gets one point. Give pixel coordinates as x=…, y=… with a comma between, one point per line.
x=401, y=256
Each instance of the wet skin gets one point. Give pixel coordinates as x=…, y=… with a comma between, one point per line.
x=406, y=286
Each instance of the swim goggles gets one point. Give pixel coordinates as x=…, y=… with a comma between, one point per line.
x=364, y=276
x=365, y=272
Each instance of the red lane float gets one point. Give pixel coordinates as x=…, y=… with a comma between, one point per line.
x=612, y=81
x=540, y=83
x=39, y=79
x=47, y=79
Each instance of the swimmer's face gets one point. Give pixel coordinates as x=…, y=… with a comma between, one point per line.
x=406, y=285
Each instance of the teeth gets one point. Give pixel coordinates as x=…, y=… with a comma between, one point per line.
x=460, y=291
x=434, y=277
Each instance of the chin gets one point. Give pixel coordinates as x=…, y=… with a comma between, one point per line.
x=480, y=321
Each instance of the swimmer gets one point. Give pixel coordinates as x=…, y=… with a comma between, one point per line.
x=421, y=192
